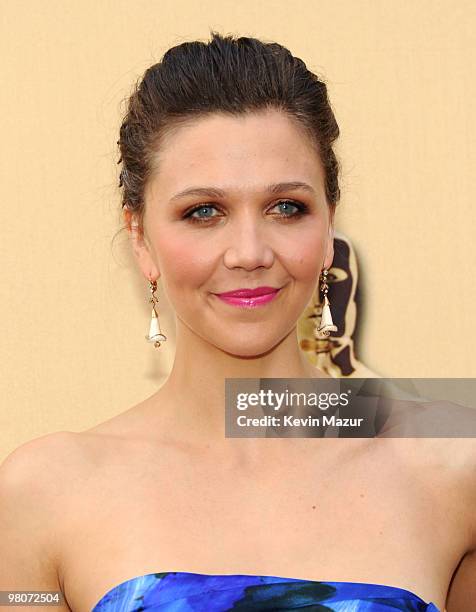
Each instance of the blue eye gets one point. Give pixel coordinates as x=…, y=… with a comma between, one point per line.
x=286, y=210
x=300, y=209
x=197, y=210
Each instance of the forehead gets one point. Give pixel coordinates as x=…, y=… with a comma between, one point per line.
x=232, y=152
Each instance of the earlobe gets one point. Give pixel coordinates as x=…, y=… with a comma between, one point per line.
x=140, y=249
x=145, y=260
x=330, y=248
x=128, y=218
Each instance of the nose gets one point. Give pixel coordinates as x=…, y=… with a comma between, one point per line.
x=248, y=245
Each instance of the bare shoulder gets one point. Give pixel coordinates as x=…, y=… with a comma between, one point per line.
x=39, y=447
x=32, y=486
x=456, y=458
x=442, y=471
x=38, y=467
x=465, y=451
x=37, y=473
x=456, y=453
x=445, y=470
x=452, y=462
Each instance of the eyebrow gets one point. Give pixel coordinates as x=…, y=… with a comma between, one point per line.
x=215, y=192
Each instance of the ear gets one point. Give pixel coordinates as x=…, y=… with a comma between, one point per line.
x=140, y=248
x=330, y=245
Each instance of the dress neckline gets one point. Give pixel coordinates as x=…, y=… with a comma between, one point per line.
x=431, y=607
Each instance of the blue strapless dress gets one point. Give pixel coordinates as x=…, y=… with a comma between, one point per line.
x=189, y=592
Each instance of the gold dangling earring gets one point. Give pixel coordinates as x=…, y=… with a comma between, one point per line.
x=326, y=324
x=155, y=333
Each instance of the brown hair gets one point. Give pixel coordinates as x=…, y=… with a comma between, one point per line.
x=226, y=75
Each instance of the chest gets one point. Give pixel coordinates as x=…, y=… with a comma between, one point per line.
x=359, y=521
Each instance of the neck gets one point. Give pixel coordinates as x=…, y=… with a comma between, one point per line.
x=192, y=400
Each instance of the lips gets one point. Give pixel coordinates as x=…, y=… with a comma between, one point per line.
x=249, y=298
x=249, y=293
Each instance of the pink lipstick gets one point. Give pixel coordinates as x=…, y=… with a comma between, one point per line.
x=249, y=298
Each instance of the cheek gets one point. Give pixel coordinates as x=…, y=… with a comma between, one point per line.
x=182, y=262
x=186, y=262
x=304, y=256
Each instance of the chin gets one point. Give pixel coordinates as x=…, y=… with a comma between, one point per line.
x=246, y=353
x=249, y=349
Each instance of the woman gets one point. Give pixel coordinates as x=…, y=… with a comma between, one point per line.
x=230, y=182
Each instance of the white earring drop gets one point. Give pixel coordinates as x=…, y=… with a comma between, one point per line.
x=155, y=333
x=326, y=325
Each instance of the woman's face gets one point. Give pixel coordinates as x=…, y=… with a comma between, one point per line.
x=243, y=235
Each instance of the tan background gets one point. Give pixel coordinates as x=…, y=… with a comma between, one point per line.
x=74, y=309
